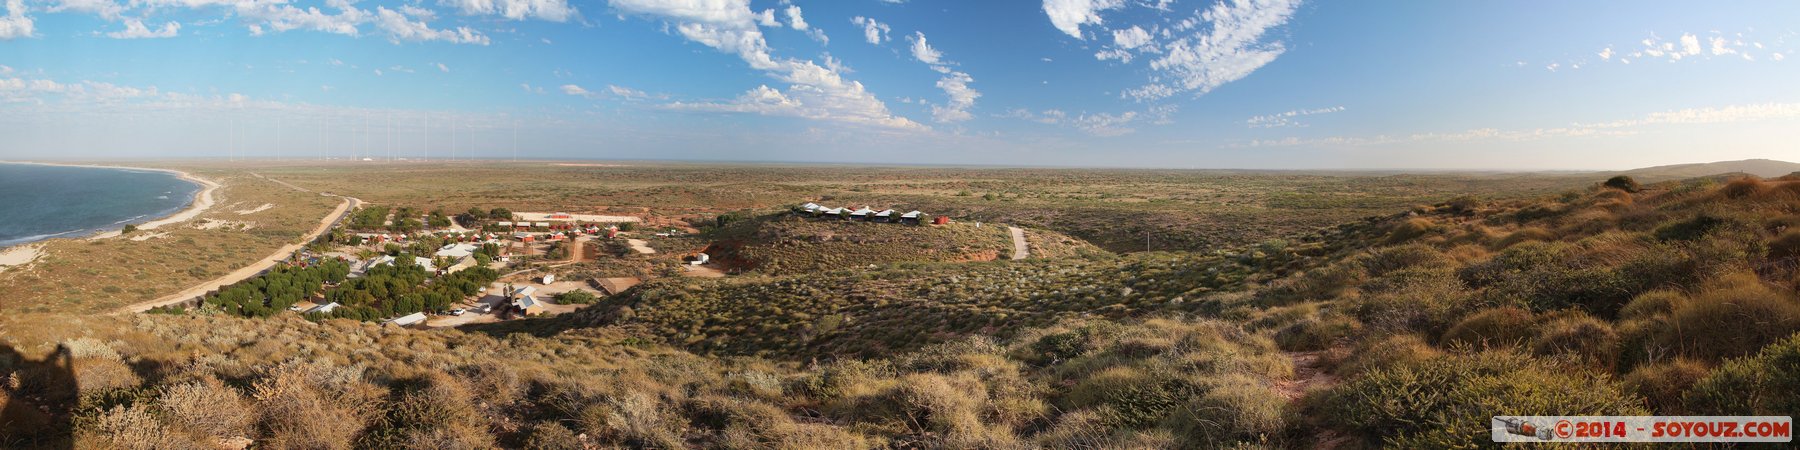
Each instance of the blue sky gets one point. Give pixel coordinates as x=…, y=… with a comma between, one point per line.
x=1136, y=83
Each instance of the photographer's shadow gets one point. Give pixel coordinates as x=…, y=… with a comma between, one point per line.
x=36, y=399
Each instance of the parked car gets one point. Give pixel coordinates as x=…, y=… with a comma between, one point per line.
x=457, y=312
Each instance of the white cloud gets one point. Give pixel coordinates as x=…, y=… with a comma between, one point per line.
x=814, y=92
x=1690, y=44
x=135, y=29
x=106, y=9
x=1229, y=50
x=1777, y=56
x=551, y=10
x=5, y=69
x=531, y=89
x=626, y=92
x=1097, y=124
x=444, y=68
x=1070, y=15
x=794, y=18
x=282, y=17
x=401, y=28
x=1286, y=119
x=1131, y=38
x=15, y=24
x=874, y=32
x=1720, y=47
x=955, y=86
x=923, y=51
x=577, y=91
x=767, y=18
x=1606, y=54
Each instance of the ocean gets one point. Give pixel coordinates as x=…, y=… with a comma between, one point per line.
x=41, y=202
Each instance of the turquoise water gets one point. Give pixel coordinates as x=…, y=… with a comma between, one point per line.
x=43, y=202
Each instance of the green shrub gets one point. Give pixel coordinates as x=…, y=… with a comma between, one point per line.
x=1128, y=397
x=1578, y=335
x=1736, y=317
x=1653, y=304
x=553, y=436
x=1662, y=384
x=1234, y=408
x=1506, y=326
x=576, y=297
x=1316, y=333
x=1391, y=351
x=1623, y=183
x=1767, y=383
x=1447, y=402
x=1786, y=246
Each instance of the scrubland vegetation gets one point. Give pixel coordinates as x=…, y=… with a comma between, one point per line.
x=1408, y=329
x=783, y=243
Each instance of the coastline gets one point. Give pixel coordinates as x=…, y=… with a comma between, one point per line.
x=24, y=253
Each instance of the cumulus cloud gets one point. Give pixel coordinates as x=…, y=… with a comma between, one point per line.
x=1690, y=44
x=813, y=91
x=15, y=24
x=444, y=68
x=550, y=10
x=1070, y=15
x=922, y=51
x=1131, y=38
x=135, y=29
x=874, y=32
x=1232, y=45
x=402, y=28
x=106, y=9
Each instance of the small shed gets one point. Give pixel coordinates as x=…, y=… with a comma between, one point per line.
x=507, y=223
x=911, y=217
x=836, y=213
x=862, y=214
x=528, y=305
x=886, y=215
x=810, y=208
x=409, y=319
x=549, y=278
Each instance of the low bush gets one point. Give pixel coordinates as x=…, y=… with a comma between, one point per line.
x=1767, y=383
x=1735, y=316
x=1663, y=383
x=1505, y=326
x=1448, y=402
x=1580, y=336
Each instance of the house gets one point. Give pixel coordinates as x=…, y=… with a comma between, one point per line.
x=457, y=251
x=885, y=216
x=465, y=263
x=911, y=217
x=540, y=224
x=409, y=319
x=809, y=208
x=862, y=213
x=389, y=260
x=835, y=213
x=322, y=309
x=528, y=305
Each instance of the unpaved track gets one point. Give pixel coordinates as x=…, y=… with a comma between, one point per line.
x=1021, y=249
x=638, y=245
x=252, y=270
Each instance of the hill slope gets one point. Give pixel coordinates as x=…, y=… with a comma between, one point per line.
x=1766, y=168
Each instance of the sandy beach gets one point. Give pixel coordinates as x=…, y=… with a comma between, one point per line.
x=19, y=255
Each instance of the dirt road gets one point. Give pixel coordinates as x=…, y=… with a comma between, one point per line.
x=1021, y=249
x=638, y=245
x=252, y=270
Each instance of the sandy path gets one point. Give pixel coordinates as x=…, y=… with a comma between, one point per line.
x=203, y=200
x=252, y=270
x=640, y=246
x=1021, y=249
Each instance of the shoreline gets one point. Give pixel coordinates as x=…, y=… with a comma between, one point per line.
x=24, y=253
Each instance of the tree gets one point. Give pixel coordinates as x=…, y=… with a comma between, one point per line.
x=129, y=228
x=1623, y=183
x=500, y=214
x=576, y=297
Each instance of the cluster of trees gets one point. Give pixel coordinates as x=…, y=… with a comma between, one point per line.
x=277, y=290
x=404, y=288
